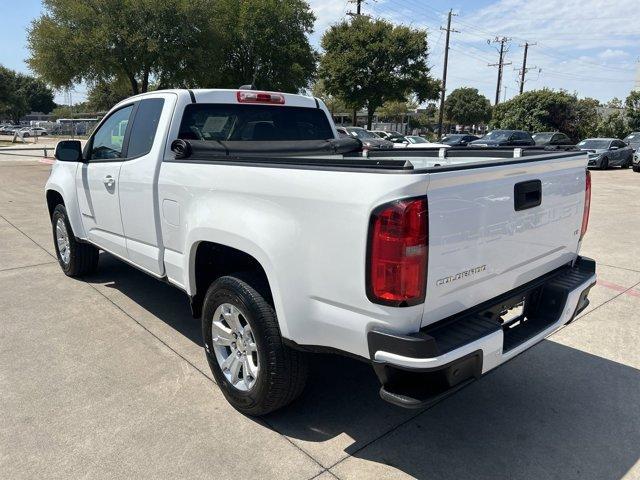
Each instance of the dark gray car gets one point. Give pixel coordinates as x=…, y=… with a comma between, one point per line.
x=607, y=152
x=504, y=138
x=369, y=139
x=552, y=139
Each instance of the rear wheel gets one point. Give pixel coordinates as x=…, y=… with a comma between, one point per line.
x=255, y=370
x=75, y=258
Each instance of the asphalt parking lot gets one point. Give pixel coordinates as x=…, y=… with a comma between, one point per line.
x=106, y=378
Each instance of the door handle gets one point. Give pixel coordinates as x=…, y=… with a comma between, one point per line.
x=108, y=181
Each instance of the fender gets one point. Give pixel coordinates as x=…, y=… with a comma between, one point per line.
x=63, y=181
x=226, y=226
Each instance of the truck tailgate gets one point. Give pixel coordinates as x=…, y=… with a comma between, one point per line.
x=493, y=229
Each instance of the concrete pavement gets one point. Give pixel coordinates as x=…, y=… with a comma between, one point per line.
x=105, y=378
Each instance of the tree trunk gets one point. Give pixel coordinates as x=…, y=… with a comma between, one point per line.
x=134, y=84
x=145, y=81
x=354, y=118
x=370, y=113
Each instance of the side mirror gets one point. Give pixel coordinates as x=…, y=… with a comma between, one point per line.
x=69, y=151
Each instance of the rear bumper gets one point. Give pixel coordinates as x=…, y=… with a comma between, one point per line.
x=418, y=369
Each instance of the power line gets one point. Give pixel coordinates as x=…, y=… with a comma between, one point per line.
x=501, y=63
x=444, y=72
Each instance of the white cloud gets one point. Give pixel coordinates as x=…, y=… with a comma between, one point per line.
x=612, y=54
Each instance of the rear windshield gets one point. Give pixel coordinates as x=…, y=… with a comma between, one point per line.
x=221, y=122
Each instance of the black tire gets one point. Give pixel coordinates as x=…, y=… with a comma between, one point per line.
x=636, y=168
x=282, y=371
x=604, y=164
x=83, y=257
x=25, y=135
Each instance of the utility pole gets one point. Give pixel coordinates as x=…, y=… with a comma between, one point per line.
x=501, y=63
x=523, y=71
x=444, y=73
x=358, y=8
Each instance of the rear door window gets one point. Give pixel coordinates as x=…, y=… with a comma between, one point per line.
x=229, y=122
x=145, y=125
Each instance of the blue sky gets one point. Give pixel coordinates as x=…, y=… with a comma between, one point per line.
x=590, y=47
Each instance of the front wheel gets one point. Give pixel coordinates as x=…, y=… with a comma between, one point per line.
x=604, y=164
x=636, y=168
x=75, y=258
x=255, y=370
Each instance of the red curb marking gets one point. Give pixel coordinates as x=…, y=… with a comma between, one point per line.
x=618, y=288
x=49, y=161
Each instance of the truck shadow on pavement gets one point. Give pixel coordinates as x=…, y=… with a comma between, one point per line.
x=553, y=412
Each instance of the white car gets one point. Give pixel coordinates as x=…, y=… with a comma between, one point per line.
x=415, y=141
x=434, y=266
x=33, y=132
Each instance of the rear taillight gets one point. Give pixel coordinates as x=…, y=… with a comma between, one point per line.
x=249, y=96
x=587, y=205
x=398, y=249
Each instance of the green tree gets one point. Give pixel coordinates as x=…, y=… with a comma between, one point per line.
x=632, y=104
x=397, y=109
x=101, y=39
x=21, y=94
x=105, y=94
x=615, y=102
x=333, y=103
x=264, y=42
x=613, y=126
x=585, y=124
x=544, y=110
x=174, y=43
x=466, y=106
x=370, y=62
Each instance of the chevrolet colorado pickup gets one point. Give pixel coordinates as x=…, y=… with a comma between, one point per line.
x=435, y=265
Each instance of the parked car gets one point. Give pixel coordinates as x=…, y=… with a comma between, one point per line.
x=607, y=152
x=342, y=132
x=369, y=139
x=551, y=139
x=33, y=132
x=633, y=140
x=415, y=141
x=504, y=138
x=458, y=139
x=7, y=129
x=287, y=242
x=387, y=135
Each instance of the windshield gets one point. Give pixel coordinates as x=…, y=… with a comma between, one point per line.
x=416, y=139
x=361, y=133
x=594, y=144
x=497, y=135
x=220, y=122
x=633, y=138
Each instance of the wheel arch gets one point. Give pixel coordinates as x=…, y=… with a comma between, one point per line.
x=209, y=260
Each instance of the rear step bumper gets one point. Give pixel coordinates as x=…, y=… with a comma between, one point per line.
x=417, y=370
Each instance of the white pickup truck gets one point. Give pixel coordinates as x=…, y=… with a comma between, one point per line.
x=435, y=266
